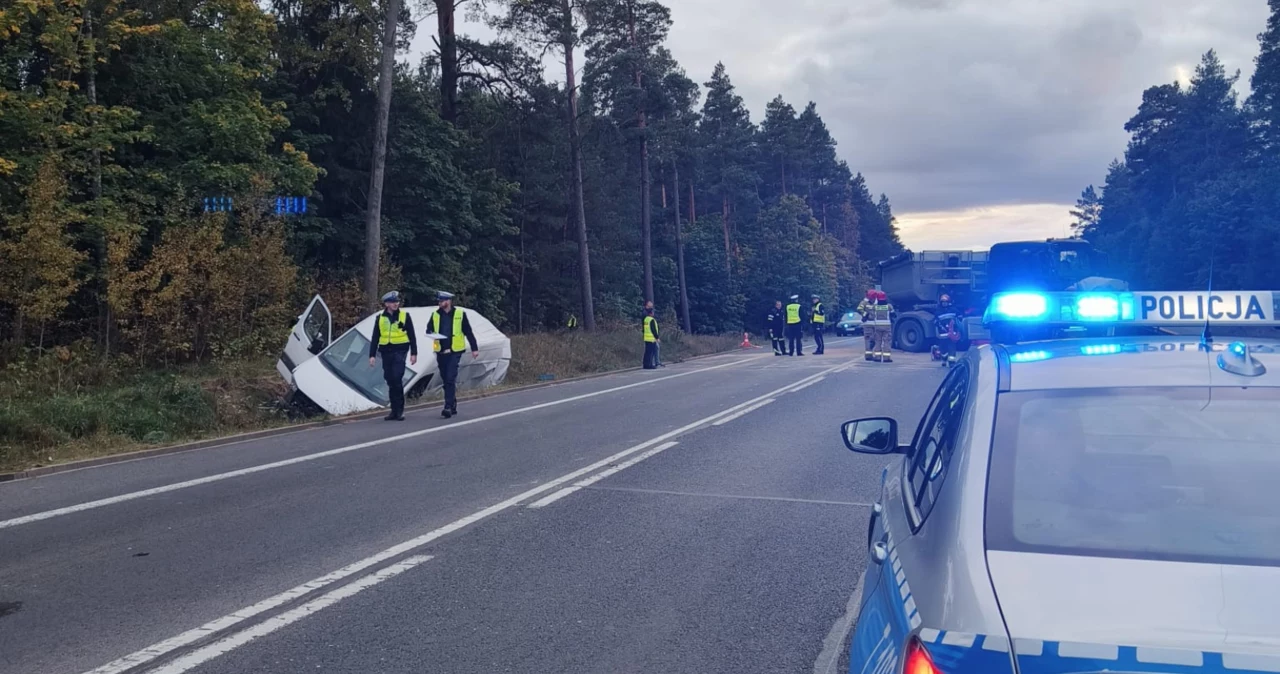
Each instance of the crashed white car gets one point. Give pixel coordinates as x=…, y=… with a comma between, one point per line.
x=335, y=375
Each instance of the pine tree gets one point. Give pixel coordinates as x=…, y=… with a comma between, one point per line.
x=1264, y=103
x=728, y=149
x=544, y=24
x=1087, y=211
x=625, y=64
x=780, y=148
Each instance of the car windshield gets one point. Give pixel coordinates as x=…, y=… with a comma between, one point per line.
x=850, y=316
x=348, y=358
x=1174, y=474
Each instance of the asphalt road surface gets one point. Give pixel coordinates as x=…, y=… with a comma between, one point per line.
x=704, y=517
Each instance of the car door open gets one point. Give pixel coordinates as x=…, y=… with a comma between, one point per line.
x=309, y=336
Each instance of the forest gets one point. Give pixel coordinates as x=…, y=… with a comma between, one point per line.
x=146, y=147
x=1195, y=201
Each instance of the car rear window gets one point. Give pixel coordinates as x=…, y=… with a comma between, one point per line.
x=1183, y=474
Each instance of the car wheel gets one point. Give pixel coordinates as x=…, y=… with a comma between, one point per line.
x=910, y=336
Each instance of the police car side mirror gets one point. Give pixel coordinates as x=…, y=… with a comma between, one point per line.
x=873, y=435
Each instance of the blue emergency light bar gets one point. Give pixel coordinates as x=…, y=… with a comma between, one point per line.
x=1155, y=308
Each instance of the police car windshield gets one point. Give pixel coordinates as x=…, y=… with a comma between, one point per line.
x=348, y=358
x=1138, y=473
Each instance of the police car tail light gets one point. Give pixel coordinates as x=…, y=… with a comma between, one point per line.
x=1020, y=306
x=916, y=659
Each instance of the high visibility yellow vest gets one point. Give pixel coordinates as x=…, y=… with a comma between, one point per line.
x=793, y=314
x=819, y=316
x=391, y=333
x=649, y=322
x=457, y=341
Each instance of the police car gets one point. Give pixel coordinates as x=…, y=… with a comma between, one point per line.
x=1085, y=505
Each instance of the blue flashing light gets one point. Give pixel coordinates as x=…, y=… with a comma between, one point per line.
x=1238, y=348
x=1098, y=308
x=1020, y=306
x=1100, y=349
x=1028, y=356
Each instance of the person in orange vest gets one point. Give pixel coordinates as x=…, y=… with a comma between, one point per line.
x=455, y=333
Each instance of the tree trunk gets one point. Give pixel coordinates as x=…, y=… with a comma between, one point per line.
x=575, y=147
x=693, y=211
x=782, y=169
x=645, y=216
x=684, y=290
x=100, y=232
x=445, y=11
x=373, y=214
x=724, y=222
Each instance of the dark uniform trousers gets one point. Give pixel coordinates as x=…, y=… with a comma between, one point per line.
x=819, y=346
x=650, y=355
x=393, y=365
x=448, y=365
x=795, y=339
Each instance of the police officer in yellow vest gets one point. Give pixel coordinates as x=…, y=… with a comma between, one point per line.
x=649, y=328
x=819, y=322
x=455, y=330
x=394, y=338
x=795, y=331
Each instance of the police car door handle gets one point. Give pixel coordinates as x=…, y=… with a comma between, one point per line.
x=879, y=552
x=876, y=510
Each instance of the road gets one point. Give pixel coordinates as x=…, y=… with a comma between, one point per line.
x=703, y=517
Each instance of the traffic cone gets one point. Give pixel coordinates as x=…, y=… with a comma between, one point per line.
x=746, y=342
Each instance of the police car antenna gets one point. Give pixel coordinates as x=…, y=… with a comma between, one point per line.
x=1206, y=338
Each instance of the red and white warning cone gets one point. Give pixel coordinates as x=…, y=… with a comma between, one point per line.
x=746, y=342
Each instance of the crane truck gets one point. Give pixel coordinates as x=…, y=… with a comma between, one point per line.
x=915, y=281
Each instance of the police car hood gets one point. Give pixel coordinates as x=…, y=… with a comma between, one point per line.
x=1127, y=615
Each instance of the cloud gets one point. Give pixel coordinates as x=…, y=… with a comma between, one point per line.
x=947, y=105
x=978, y=228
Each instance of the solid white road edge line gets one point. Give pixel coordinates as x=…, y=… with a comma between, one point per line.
x=36, y=517
x=226, y=645
x=157, y=650
x=740, y=413
x=548, y=500
x=833, y=645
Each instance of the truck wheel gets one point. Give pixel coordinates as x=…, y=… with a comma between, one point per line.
x=909, y=334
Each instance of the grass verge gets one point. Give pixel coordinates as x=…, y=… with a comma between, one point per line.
x=65, y=406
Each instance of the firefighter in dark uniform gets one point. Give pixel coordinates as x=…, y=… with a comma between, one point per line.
x=649, y=329
x=393, y=337
x=795, y=329
x=456, y=335
x=775, y=323
x=819, y=322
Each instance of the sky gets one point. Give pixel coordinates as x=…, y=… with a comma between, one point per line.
x=981, y=119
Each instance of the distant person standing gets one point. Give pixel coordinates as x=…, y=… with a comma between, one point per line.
x=795, y=330
x=775, y=322
x=868, y=331
x=455, y=332
x=649, y=329
x=819, y=322
x=393, y=337
x=657, y=349
x=882, y=322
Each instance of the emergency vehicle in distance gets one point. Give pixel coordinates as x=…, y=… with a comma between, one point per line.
x=1084, y=505
x=915, y=281
x=336, y=377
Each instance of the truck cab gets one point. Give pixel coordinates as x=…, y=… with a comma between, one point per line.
x=915, y=281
